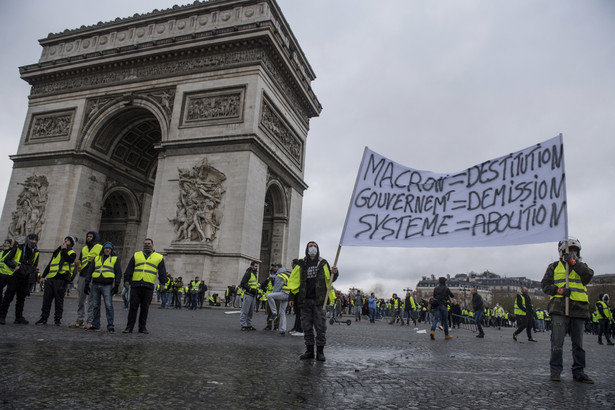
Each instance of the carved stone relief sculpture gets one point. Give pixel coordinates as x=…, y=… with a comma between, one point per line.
x=29, y=215
x=198, y=215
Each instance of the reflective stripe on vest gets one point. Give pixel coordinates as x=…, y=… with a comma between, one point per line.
x=146, y=269
x=4, y=269
x=253, y=282
x=89, y=254
x=106, y=268
x=54, y=267
x=577, y=289
x=284, y=276
x=518, y=311
x=605, y=310
x=195, y=285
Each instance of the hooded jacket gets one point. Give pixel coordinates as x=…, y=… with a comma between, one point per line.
x=315, y=286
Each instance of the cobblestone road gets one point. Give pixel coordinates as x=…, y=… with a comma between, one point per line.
x=200, y=359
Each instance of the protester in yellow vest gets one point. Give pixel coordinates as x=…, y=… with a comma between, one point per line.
x=90, y=250
x=605, y=317
x=22, y=263
x=56, y=277
x=141, y=272
x=572, y=321
x=309, y=282
x=105, y=275
x=5, y=270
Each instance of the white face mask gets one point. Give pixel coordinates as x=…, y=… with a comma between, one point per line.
x=312, y=251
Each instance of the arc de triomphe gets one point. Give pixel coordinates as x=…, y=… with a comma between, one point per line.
x=186, y=125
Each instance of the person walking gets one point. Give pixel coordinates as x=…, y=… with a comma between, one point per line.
x=439, y=302
x=56, y=277
x=358, y=306
x=309, y=281
x=141, y=273
x=22, y=261
x=409, y=308
x=605, y=317
x=524, y=313
x=479, y=308
x=397, y=310
x=103, y=277
x=249, y=283
x=566, y=279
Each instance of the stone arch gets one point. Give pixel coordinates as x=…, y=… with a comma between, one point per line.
x=275, y=226
x=120, y=220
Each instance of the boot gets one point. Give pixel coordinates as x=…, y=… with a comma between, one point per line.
x=320, y=354
x=21, y=321
x=309, y=353
x=432, y=335
x=600, y=341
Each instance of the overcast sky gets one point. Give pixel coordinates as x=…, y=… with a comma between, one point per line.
x=433, y=85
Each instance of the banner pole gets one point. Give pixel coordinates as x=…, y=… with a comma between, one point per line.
x=337, y=255
x=567, y=312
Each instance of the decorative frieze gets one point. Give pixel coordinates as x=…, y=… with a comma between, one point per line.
x=273, y=123
x=213, y=107
x=50, y=126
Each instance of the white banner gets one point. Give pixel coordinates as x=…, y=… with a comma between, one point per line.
x=516, y=199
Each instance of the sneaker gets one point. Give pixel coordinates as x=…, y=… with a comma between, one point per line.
x=77, y=324
x=244, y=328
x=555, y=376
x=609, y=343
x=89, y=325
x=532, y=340
x=92, y=329
x=250, y=328
x=21, y=321
x=282, y=333
x=58, y=323
x=292, y=332
x=112, y=330
x=41, y=321
x=448, y=337
x=432, y=335
x=481, y=335
x=144, y=331
x=583, y=378
x=127, y=330
x=300, y=334
x=515, y=337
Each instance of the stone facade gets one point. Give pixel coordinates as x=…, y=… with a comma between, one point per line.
x=186, y=125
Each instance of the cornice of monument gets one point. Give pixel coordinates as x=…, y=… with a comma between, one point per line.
x=200, y=24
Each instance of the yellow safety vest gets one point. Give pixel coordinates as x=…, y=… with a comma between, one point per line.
x=578, y=291
x=518, y=311
x=605, y=309
x=54, y=267
x=285, y=276
x=194, y=285
x=4, y=269
x=106, y=268
x=89, y=254
x=146, y=269
x=253, y=282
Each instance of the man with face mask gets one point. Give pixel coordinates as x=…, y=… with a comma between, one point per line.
x=308, y=283
x=141, y=272
x=56, y=277
x=22, y=262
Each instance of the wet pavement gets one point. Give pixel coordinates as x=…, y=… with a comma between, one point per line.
x=201, y=359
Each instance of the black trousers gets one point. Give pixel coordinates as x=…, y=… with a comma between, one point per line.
x=14, y=286
x=140, y=298
x=55, y=289
x=524, y=322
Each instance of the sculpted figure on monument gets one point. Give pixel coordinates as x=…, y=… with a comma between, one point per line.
x=29, y=215
x=198, y=215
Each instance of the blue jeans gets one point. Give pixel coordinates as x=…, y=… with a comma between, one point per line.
x=441, y=313
x=165, y=299
x=561, y=325
x=372, y=314
x=478, y=318
x=104, y=290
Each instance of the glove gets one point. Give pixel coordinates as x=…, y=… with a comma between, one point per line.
x=570, y=259
x=115, y=290
x=564, y=292
x=86, y=289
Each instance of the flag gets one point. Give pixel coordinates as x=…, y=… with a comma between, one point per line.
x=519, y=198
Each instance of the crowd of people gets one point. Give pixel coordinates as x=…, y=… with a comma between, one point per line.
x=306, y=288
